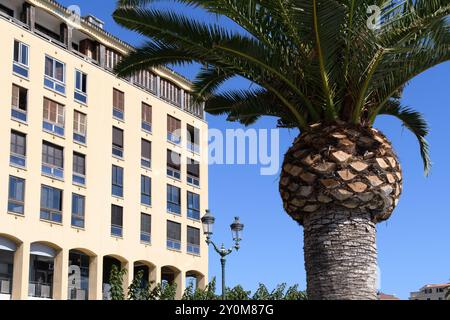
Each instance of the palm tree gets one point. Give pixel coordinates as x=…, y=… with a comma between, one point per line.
x=318, y=67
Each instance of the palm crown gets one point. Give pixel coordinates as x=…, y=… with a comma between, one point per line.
x=312, y=60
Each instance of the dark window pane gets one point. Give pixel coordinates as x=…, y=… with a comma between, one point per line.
x=117, y=215
x=173, y=160
x=146, y=223
x=79, y=163
x=193, y=236
x=193, y=168
x=18, y=143
x=173, y=230
x=117, y=137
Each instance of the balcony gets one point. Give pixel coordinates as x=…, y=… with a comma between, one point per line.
x=193, y=248
x=51, y=215
x=17, y=160
x=5, y=285
x=80, y=96
x=54, y=85
x=174, y=208
x=193, y=181
x=146, y=237
x=52, y=171
x=19, y=114
x=174, y=244
x=146, y=163
x=53, y=128
x=15, y=207
x=40, y=290
x=116, y=230
x=20, y=69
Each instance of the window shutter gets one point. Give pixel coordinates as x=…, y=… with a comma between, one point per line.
x=193, y=236
x=193, y=168
x=117, y=137
x=15, y=97
x=173, y=230
x=146, y=150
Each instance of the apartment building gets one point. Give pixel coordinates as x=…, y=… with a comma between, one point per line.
x=96, y=170
x=431, y=292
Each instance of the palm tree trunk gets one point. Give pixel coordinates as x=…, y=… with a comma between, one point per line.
x=340, y=255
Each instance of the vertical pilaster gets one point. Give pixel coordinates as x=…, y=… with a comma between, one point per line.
x=60, y=277
x=96, y=278
x=21, y=272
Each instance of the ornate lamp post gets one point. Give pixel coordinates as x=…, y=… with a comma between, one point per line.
x=236, y=228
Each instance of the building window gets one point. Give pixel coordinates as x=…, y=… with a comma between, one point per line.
x=170, y=92
x=55, y=75
x=53, y=117
x=79, y=168
x=117, y=145
x=173, y=235
x=146, y=153
x=16, y=195
x=193, y=137
x=117, y=181
x=20, y=64
x=173, y=130
x=116, y=221
x=78, y=205
x=173, y=199
x=79, y=127
x=173, y=164
x=118, y=104
x=146, y=115
x=193, y=240
x=80, y=93
x=52, y=160
x=193, y=172
x=18, y=149
x=19, y=103
x=146, y=228
x=146, y=191
x=193, y=205
x=51, y=204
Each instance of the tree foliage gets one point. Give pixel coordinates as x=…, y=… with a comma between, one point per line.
x=311, y=61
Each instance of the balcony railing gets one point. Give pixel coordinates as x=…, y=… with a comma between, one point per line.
x=176, y=139
x=5, y=285
x=80, y=96
x=81, y=138
x=117, y=151
x=193, y=181
x=193, y=147
x=174, y=173
x=40, y=290
x=146, y=163
x=193, y=248
x=193, y=214
x=146, y=237
x=19, y=114
x=116, y=230
x=20, y=69
x=79, y=179
x=146, y=126
x=55, y=85
x=51, y=215
x=77, y=221
x=15, y=206
x=118, y=114
x=52, y=171
x=174, y=244
x=174, y=208
x=18, y=160
x=77, y=294
x=53, y=128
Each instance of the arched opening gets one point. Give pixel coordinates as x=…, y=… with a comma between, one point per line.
x=42, y=270
x=108, y=262
x=8, y=247
x=195, y=279
x=148, y=273
x=170, y=275
x=79, y=270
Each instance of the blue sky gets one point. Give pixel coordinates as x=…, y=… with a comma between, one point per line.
x=412, y=245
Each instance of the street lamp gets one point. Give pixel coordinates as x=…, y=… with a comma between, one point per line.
x=236, y=229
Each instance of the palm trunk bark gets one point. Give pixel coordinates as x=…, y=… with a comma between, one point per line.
x=340, y=255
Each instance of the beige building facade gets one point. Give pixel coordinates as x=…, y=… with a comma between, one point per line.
x=95, y=170
x=431, y=292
